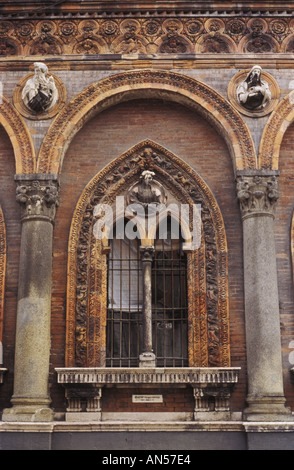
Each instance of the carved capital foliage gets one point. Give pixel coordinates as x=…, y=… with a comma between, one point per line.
x=37, y=196
x=257, y=193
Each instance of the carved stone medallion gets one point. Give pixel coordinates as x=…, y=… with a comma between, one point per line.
x=254, y=92
x=39, y=95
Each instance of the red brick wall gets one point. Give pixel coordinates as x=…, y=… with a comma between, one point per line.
x=104, y=138
x=284, y=213
x=174, y=400
x=11, y=213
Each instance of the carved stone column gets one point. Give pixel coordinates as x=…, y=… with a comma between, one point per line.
x=37, y=195
x=257, y=192
x=147, y=358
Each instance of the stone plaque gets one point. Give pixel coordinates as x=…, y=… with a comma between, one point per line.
x=147, y=399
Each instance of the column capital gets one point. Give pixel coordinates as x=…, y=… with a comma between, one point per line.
x=37, y=195
x=257, y=192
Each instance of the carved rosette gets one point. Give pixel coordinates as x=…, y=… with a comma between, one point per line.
x=257, y=193
x=37, y=196
x=152, y=34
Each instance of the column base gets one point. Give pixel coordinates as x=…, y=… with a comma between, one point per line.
x=28, y=410
x=147, y=359
x=267, y=409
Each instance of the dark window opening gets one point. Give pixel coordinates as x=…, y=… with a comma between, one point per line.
x=169, y=303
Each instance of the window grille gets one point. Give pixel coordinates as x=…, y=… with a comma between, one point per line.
x=124, y=335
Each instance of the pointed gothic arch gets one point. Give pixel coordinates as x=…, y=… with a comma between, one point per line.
x=207, y=271
x=147, y=84
x=19, y=136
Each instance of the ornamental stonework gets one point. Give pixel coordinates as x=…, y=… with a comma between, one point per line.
x=257, y=193
x=136, y=35
x=37, y=196
x=208, y=335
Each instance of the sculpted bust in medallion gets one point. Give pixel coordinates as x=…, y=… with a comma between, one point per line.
x=254, y=93
x=40, y=93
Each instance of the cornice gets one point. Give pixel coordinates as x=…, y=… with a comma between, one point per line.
x=96, y=8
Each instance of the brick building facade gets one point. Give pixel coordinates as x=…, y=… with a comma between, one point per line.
x=197, y=353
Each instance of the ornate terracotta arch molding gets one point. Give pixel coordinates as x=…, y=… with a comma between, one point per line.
x=274, y=131
x=147, y=84
x=20, y=138
x=208, y=314
x=2, y=274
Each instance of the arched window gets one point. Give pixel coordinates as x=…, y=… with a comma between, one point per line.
x=125, y=297
x=169, y=301
x=188, y=314
x=125, y=312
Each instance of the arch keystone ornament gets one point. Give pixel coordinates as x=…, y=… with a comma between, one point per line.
x=147, y=84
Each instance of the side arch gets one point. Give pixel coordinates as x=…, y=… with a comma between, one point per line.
x=208, y=332
x=20, y=138
x=147, y=84
x=2, y=277
x=274, y=131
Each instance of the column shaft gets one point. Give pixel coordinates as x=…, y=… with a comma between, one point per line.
x=147, y=358
x=258, y=193
x=38, y=198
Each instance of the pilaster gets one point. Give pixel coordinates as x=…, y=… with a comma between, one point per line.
x=257, y=192
x=38, y=198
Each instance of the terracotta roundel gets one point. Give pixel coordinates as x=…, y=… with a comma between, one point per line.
x=254, y=92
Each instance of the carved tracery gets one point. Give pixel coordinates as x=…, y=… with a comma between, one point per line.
x=208, y=318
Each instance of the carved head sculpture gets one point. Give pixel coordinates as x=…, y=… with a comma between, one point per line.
x=146, y=191
x=254, y=93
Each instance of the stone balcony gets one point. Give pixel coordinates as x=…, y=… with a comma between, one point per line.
x=212, y=387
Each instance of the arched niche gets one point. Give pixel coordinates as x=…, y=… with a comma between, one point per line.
x=207, y=271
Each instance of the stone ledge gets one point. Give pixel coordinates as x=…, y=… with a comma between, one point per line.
x=269, y=426
x=149, y=426
x=134, y=376
x=212, y=387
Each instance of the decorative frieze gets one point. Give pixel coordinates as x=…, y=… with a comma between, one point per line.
x=37, y=196
x=147, y=35
x=257, y=192
x=195, y=376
